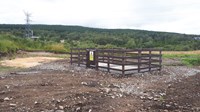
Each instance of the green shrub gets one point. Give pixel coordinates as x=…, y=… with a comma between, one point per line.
x=57, y=47
x=7, y=46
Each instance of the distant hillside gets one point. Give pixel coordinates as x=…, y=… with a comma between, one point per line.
x=78, y=36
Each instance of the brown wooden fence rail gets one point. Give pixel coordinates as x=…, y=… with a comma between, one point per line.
x=123, y=61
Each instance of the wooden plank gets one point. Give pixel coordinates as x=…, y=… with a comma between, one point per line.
x=131, y=70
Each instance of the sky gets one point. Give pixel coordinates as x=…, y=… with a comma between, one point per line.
x=181, y=16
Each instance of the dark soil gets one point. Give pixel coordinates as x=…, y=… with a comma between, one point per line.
x=60, y=87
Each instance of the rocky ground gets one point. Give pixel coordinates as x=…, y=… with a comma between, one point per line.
x=60, y=87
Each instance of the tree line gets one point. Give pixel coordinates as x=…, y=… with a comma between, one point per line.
x=84, y=37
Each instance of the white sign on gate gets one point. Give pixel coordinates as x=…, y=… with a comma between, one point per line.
x=91, y=56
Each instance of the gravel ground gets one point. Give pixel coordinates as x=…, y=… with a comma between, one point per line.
x=60, y=87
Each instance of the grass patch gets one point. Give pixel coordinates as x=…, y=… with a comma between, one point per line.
x=6, y=68
x=186, y=59
x=191, y=61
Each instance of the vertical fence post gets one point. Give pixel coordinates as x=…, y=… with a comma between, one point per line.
x=108, y=60
x=139, y=60
x=112, y=54
x=103, y=55
x=123, y=63
x=87, y=58
x=96, y=59
x=78, y=57
x=149, y=59
x=71, y=56
x=160, y=60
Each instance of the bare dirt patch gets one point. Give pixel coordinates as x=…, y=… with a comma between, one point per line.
x=27, y=62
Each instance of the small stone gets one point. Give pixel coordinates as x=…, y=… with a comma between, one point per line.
x=7, y=99
x=112, y=97
x=120, y=95
x=90, y=110
x=167, y=105
x=36, y=103
x=78, y=108
x=2, y=77
x=84, y=83
x=165, y=110
x=150, y=98
x=13, y=105
x=162, y=94
x=156, y=99
x=142, y=97
x=61, y=107
x=59, y=111
x=7, y=86
x=107, y=90
x=169, y=85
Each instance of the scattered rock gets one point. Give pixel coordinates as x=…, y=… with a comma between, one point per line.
x=112, y=97
x=78, y=109
x=166, y=110
x=13, y=105
x=142, y=97
x=61, y=107
x=162, y=94
x=107, y=90
x=59, y=111
x=114, y=86
x=90, y=83
x=84, y=83
x=36, y=103
x=155, y=99
x=7, y=86
x=90, y=110
x=150, y=98
x=167, y=105
x=7, y=99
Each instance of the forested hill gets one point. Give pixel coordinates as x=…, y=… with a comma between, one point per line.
x=78, y=36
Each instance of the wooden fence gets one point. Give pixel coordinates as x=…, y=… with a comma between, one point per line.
x=123, y=61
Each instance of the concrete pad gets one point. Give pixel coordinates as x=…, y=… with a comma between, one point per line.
x=127, y=67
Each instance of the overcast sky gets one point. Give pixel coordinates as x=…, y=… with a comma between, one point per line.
x=182, y=16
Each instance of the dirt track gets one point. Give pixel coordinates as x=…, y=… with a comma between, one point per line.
x=58, y=86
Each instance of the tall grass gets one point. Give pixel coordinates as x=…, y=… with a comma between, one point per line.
x=191, y=58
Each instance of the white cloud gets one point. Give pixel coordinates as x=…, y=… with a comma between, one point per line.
x=160, y=15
